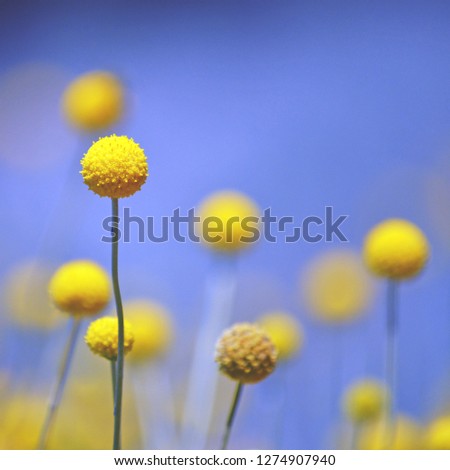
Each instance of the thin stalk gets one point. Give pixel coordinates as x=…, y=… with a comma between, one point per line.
x=231, y=415
x=391, y=357
x=113, y=377
x=119, y=309
x=63, y=375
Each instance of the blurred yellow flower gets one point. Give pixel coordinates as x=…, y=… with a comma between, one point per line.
x=94, y=101
x=396, y=249
x=284, y=331
x=336, y=287
x=365, y=400
x=229, y=221
x=437, y=434
x=26, y=295
x=245, y=353
x=406, y=436
x=102, y=337
x=114, y=167
x=152, y=328
x=80, y=287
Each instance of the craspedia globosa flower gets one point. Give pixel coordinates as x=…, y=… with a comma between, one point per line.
x=365, y=400
x=437, y=435
x=115, y=167
x=396, y=249
x=94, y=101
x=245, y=353
x=80, y=287
x=102, y=337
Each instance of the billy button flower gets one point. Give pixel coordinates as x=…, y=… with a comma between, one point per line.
x=115, y=167
x=395, y=250
x=94, y=101
x=244, y=353
x=80, y=288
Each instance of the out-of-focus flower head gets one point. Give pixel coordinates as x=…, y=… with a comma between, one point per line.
x=102, y=337
x=396, y=249
x=285, y=333
x=230, y=220
x=406, y=435
x=245, y=353
x=365, y=400
x=94, y=101
x=26, y=295
x=336, y=287
x=437, y=434
x=152, y=328
x=115, y=167
x=80, y=287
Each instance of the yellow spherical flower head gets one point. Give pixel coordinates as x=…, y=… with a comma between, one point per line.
x=285, y=333
x=152, y=329
x=115, y=167
x=80, y=288
x=245, y=353
x=396, y=249
x=437, y=436
x=229, y=221
x=365, y=400
x=336, y=287
x=94, y=101
x=102, y=337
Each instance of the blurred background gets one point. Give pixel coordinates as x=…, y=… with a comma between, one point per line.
x=299, y=105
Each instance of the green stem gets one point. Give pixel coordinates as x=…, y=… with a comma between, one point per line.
x=119, y=309
x=391, y=357
x=231, y=415
x=114, y=377
x=63, y=375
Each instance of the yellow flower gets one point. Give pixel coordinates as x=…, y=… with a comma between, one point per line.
x=245, y=353
x=80, y=287
x=152, y=329
x=396, y=249
x=102, y=337
x=94, y=101
x=26, y=295
x=230, y=221
x=285, y=333
x=336, y=287
x=406, y=436
x=365, y=400
x=115, y=167
x=437, y=436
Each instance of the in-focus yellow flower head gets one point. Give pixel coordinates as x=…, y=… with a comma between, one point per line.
x=115, y=167
x=396, y=249
x=152, y=328
x=245, y=353
x=364, y=401
x=406, y=435
x=80, y=287
x=284, y=331
x=229, y=221
x=336, y=287
x=94, y=101
x=102, y=337
x=26, y=295
x=437, y=435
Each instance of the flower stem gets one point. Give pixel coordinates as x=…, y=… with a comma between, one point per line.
x=119, y=309
x=113, y=377
x=63, y=375
x=231, y=415
x=391, y=357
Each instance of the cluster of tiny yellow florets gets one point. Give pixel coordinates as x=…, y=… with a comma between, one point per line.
x=80, y=288
x=396, y=249
x=245, y=353
x=102, y=337
x=114, y=167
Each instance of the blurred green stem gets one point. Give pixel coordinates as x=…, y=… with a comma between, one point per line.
x=63, y=375
x=231, y=415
